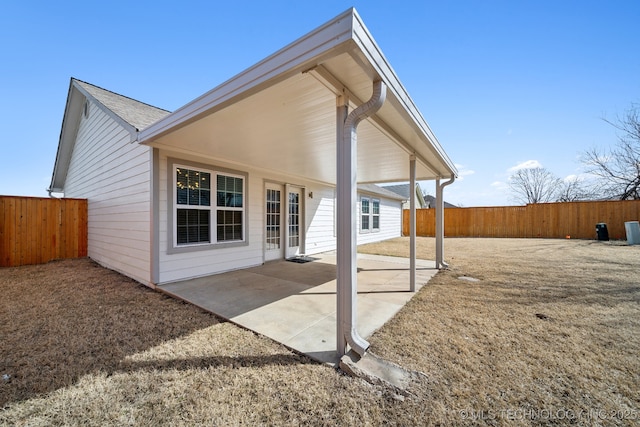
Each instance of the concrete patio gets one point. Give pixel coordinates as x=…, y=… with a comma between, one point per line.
x=295, y=304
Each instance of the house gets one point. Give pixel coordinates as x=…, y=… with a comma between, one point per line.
x=262, y=167
x=404, y=190
x=431, y=202
x=103, y=163
x=423, y=201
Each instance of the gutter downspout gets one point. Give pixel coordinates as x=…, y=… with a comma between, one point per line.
x=440, y=222
x=346, y=245
x=412, y=224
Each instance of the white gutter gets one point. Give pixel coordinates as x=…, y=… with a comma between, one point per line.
x=347, y=165
x=412, y=223
x=440, y=222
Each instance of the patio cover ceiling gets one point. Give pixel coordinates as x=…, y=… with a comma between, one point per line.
x=280, y=114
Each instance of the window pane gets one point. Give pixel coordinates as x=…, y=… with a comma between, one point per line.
x=205, y=180
x=194, y=197
x=182, y=186
x=365, y=206
x=237, y=232
x=229, y=225
x=205, y=198
x=229, y=191
x=365, y=222
x=192, y=187
x=376, y=222
x=204, y=233
x=376, y=207
x=192, y=226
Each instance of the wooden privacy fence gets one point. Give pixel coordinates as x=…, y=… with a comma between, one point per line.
x=36, y=230
x=547, y=220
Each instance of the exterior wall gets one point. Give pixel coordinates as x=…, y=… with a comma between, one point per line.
x=114, y=175
x=390, y=222
x=318, y=223
x=197, y=263
x=320, y=214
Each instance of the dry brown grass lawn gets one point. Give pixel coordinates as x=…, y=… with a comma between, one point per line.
x=550, y=332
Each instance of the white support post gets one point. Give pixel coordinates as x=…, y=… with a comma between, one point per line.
x=412, y=224
x=346, y=244
x=440, y=222
x=345, y=223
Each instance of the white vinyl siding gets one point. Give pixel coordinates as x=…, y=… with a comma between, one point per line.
x=369, y=214
x=114, y=175
x=207, y=206
x=318, y=203
x=319, y=218
x=178, y=263
x=390, y=222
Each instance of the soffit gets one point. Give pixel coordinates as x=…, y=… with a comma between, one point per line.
x=286, y=121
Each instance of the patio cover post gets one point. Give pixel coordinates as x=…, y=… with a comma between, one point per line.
x=346, y=245
x=440, y=222
x=412, y=224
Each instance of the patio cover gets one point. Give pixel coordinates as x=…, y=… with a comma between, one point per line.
x=280, y=114
x=288, y=114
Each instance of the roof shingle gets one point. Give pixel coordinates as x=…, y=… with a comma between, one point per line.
x=136, y=113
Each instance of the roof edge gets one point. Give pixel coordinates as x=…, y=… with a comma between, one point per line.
x=71, y=117
x=304, y=53
x=63, y=153
x=368, y=46
x=133, y=131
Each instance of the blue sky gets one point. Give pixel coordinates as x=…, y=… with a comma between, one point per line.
x=501, y=83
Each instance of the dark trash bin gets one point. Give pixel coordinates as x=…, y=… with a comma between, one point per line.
x=602, y=232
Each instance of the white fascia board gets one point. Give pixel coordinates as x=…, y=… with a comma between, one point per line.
x=330, y=39
x=374, y=56
x=68, y=131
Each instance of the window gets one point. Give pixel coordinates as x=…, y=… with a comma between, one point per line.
x=193, y=189
x=375, y=214
x=229, y=208
x=369, y=214
x=202, y=219
x=364, y=214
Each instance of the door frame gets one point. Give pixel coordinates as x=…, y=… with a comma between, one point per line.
x=284, y=251
x=273, y=254
x=288, y=253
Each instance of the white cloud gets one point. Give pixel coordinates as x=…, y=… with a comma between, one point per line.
x=528, y=164
x=463, y=171
x=499, y=185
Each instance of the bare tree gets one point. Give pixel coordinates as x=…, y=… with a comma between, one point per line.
x=534, y=185
x=618, y=169
x=574, y=189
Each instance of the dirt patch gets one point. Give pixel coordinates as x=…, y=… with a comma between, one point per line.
x=548, y=335
x=65, y=319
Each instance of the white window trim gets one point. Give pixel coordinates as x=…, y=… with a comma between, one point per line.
x=172, y=207
x=374, y=215
x=370, y=215
x=210, y=208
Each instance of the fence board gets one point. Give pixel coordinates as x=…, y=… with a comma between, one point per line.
x=37, y=230
x=545, y=220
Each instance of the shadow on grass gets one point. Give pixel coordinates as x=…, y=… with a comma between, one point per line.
x=216, y=361
x=62, y=320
